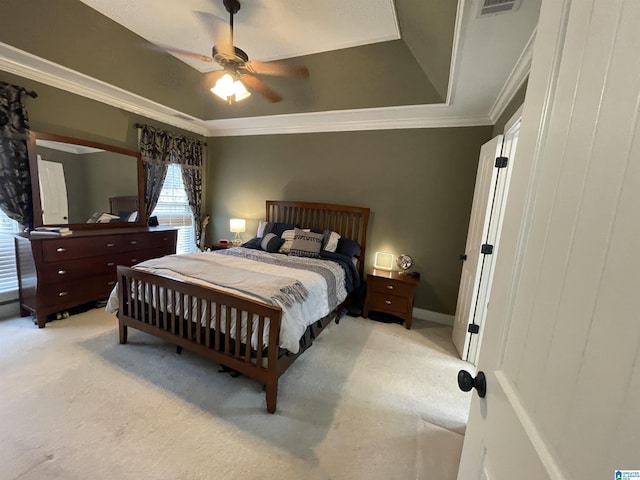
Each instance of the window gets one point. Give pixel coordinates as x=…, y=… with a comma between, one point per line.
x=173, y=209
x=8, y=274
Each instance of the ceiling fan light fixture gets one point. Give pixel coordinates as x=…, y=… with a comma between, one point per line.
x=229, y=89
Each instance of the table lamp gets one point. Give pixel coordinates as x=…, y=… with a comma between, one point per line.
x=237, y=226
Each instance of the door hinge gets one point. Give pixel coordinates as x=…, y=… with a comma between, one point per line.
x=486, y=249
x=473, y=328
x=501, y=162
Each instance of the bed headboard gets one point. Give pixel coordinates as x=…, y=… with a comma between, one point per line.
x=349, y=222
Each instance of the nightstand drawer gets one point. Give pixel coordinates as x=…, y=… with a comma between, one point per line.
x=387, y=286
x=390, y=303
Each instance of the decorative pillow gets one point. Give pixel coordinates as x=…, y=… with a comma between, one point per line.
x=254, y=243
x=348, y=247
x=306, y=244
x=330, y=240
x=287, y=239
x=271, y=243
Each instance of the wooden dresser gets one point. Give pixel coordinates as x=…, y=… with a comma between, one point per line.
x=57, y=273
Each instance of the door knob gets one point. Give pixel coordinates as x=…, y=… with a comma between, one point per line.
x=463, y=256
x=466, y=382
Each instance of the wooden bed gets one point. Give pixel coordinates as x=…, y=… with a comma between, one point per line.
x=262, y=364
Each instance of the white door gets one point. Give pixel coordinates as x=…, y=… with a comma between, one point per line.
x=53, y=192
x=561, y=348
x=473, y=259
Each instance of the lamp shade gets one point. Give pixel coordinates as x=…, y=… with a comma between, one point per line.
x=230, y=89
x=237, y=225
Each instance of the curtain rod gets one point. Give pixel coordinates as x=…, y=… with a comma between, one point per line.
x=31, y=93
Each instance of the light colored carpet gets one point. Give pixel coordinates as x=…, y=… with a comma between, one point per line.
x=367, y=401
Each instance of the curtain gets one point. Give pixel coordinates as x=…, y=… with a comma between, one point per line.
x=159, y=148
x=15, y=175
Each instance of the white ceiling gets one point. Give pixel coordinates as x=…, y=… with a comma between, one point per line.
x=265, y=29
x=491, y=58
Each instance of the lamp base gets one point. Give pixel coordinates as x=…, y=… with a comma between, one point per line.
x=237, y=241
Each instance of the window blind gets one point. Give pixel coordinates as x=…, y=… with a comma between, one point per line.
x=8, y=273
x=173, y=209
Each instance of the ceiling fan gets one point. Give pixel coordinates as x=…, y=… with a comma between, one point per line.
x=240, y=75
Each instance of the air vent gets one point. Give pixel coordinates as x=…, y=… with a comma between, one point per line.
x=493, y=7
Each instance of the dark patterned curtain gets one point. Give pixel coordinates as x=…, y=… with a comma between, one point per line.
x=15, y=175
x=159, y=148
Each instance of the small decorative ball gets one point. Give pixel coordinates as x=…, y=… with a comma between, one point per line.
x=404, y=261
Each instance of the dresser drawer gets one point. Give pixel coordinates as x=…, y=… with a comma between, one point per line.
x=77, y=292
x=390, y=303
x=144, y=241
x=55, y=250
x=387, y=286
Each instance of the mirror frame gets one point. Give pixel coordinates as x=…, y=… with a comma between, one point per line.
x=37, y=203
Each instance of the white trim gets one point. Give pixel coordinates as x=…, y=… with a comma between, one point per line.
x=516, y=79
x=435, y=317
x=548, y=459
x=453, y=65
x=382, y=118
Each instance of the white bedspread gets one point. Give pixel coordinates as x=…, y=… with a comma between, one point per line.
x=296, y=317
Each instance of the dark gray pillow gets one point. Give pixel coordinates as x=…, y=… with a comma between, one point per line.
x=271, y=243
x=306, y=244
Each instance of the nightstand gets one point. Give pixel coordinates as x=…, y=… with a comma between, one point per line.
x=391, y=292
x=217, y=246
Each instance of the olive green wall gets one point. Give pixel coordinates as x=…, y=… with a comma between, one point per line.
x=418, y=183
x=516, y=102
x=63, y=113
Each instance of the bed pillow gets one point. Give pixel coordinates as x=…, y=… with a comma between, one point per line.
x=271, y=243
x=348, y=247
x=287, y=239
x=306, y=244
x=261, y=225
x=254, y=243
x=278, y=227
x=330, y=240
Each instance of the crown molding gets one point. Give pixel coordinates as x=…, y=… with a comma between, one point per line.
x=384, y=118
x=30, y=66
x=516, y=79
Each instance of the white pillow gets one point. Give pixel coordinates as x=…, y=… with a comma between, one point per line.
x=261, y=225
x=332, y=242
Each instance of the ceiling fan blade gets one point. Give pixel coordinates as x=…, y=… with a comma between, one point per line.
x=277, y=69
x=223, y=40
x=187, y=53
x=257, y=85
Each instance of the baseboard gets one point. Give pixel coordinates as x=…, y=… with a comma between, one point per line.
x=435, y=317
x=9, y=309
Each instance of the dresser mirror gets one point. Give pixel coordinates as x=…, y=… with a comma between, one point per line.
x=83, y=184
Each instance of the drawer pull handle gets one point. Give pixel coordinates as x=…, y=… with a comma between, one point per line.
x=388, y=302
x=112, y=282
x=110, y=264
x=110, y=244
x=62, y=294
x=62, y=272
x=134, y=260
x=165, y=239
x=61, y=249
x=133, y=242
x=390, y=287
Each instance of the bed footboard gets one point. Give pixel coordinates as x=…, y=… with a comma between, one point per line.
x=212, y=323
